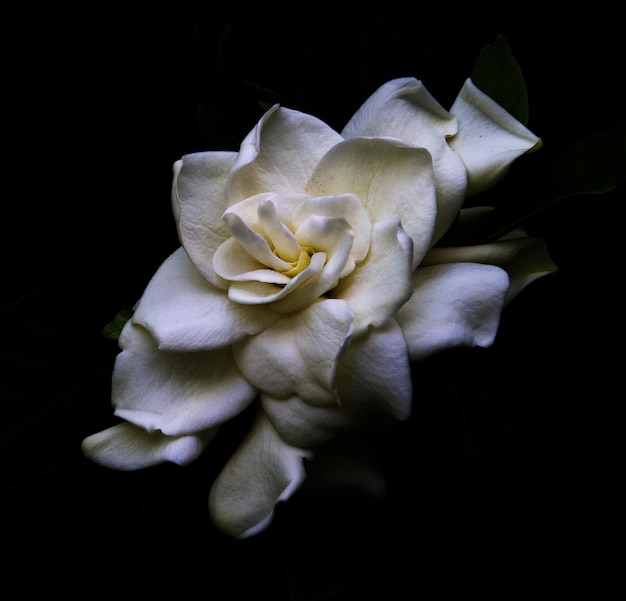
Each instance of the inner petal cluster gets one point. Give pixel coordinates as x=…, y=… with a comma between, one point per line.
x=290, y=249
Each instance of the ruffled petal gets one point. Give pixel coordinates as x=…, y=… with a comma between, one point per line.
x=184, y=312
x=262, y=472
x=279, y=154
x=489, y=138
x=403, y=108
x=382, y=283
x=177, y=393
x=374, y=384
x=299, y=353
x=128, y=447
x=392, y=180
x=198, y=201
x=453, y=305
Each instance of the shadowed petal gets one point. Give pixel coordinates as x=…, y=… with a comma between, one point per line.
x=198, y=201
x=279, y=154
x=523, y=257
x=382, y=283
x=177, y=393
x=184, y=312
x=403, y=108
x=457, y=304
x=263, y=471
x=128, y=447
x=299, y=353
x=374, y=384
x=489, y=138
x=392, y=179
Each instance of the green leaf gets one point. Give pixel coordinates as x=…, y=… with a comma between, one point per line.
x=113, y=329
x=594, y=164
x=498, y=74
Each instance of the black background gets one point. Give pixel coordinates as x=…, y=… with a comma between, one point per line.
x=508, y=476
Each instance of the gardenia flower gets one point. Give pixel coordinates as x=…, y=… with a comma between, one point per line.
x=310, y=274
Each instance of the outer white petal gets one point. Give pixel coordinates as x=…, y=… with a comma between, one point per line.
x=453, y=305
x=374, y=383
x=382, y=283
x=279, y=154
x=391, y=179
x=262, y=472
x=299, y=353
x=524, y=258
x=128, y=447
x=198, y=201
x=403, y=108
x=177, y=393
x=489, y=138
x=184, y=312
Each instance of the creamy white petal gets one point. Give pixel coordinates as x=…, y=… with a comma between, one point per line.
x=198, y=201
x=523, y=257
x=233, y=263
x=128, y=447
x=254, y=243
x=259, y=292
x=405, y=109
x=347, y=206
x=184, y=312
x=262, y=472
x=282, y=238
x=333, y=237
x=489, y=138
x=392, y=180
x=279, y=154
x=374, y=384
x=299, y=353
x=177, y=393
x=382, y=283
x=453, y=305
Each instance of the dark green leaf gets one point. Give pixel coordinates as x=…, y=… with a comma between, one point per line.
x=594, y=164
x=113, y=329
x=497, y=73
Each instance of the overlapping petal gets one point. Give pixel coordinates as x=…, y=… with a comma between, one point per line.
x=525, y=258
x=279, y=154
x=184, y=312
x=489, y=138
x=366, y=289
x=299, y=353
x=198, y=201
x=177, y=393
x=454, y=305
x=127, y=447
x=374, y=385
x=392, y=179
x=262, y=472
x=405, y=109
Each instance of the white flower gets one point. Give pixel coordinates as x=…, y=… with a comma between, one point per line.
x=309, y=277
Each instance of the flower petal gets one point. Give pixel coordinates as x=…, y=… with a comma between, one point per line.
x=198, y=201
x=177, y=393
x=489, y=138
x=299, y=353
x=374, y=384
x=391, y=179
x=403, y=108
x=382, y=283
x=453, y=305
x=128, y=447
x=523, y=257
x=279, y=154
x=262, y=472
x=184, y=312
